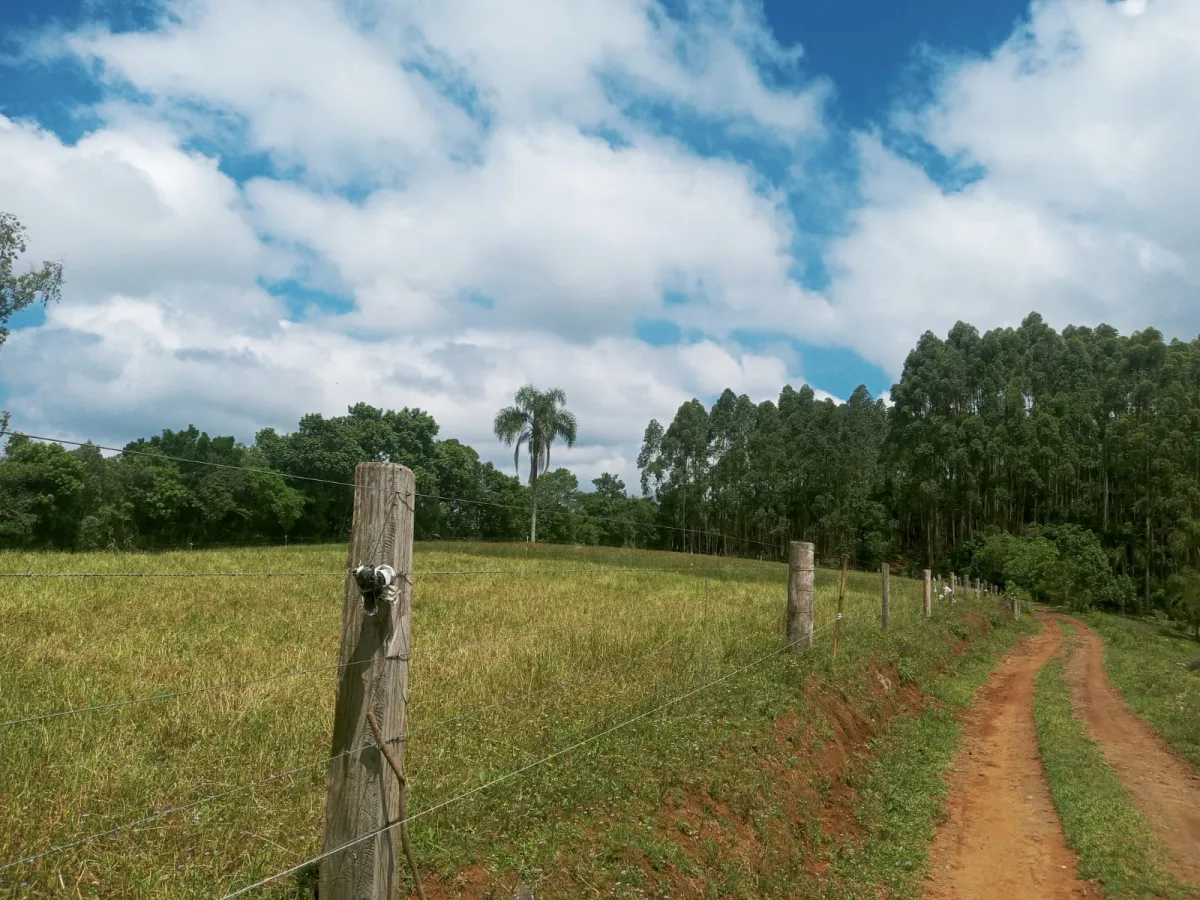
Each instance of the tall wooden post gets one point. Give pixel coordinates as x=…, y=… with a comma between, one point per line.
x=362, y=797
x=801, y=576
x=928, y=593
x=886, y=571
x=953, y=588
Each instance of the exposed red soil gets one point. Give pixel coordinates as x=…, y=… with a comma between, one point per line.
x=1165, y=788
x=812, y=774
x=1001, y=836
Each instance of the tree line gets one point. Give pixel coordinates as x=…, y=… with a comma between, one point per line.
x=1060, y=437
x=183, y=489
x=1012, y=455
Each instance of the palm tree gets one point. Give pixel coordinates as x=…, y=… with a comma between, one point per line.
x=536, y=419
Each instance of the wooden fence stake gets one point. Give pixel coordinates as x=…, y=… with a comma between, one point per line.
x=928, y=593
x=887, y=595
x=953, y=588
x=837, y=627
x=376, y=638
x=801, y=578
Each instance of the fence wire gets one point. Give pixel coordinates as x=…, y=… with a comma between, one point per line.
x=508, y=776
x=900, y=622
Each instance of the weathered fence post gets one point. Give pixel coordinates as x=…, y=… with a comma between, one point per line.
x=837, y=622
x=953, y=588
x=928, y=593
x=362, y=798
x=887, y=595
x=801, y=574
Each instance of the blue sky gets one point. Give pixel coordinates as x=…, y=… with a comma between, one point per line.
x=642, y=201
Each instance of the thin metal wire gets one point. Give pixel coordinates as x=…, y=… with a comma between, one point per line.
x=179, y=459
x=525, y=572
x=228, y=685
x=514, y=699
x=511, y=774
x=399, y=738
x=154, y=698
x=155, y=817
x=493, y=503
x=173, y=574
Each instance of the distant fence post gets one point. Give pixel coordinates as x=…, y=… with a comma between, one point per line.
x=837, y=622
x=886, y=571
x=801, y=575
x=361, y=798
x=953, y=588
x=928, y=593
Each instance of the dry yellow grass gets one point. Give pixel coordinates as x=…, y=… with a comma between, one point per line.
x=622, y=631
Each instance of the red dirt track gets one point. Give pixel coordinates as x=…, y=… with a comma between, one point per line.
x=1165, y=788
x=1002, y=836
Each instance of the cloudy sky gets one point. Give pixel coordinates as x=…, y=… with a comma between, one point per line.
x=267, y=207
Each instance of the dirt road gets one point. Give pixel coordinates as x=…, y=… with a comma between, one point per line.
x=1165, y=788
x=1002, y=836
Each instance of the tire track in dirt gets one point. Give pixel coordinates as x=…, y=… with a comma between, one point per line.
x=1002, y=836
x=1165, y=788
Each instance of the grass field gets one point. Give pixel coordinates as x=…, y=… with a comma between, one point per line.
x=1116, y=845
x=1143, y=660
x=606, y=636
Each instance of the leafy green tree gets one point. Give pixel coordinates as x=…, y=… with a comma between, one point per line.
x=536, y=420
x=17, y=292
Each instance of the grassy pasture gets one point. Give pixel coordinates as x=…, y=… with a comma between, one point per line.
x=1145, y=661
x=617, y=634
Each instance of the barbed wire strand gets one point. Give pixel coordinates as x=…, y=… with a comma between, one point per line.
x=591, y=570
x=403, y=737
x=513, y=773
x=229, y=685
x=439, y=497
x=398, y=738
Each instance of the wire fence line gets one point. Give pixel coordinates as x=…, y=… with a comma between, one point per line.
x=506, y=702
x=405, y=735
x=394, y=739
x=293, y=673
x=459, y=573
x=615, y=520
x=508, y=776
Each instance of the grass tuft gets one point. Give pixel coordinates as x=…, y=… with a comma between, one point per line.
x=1116, y=846
x=1145, y=663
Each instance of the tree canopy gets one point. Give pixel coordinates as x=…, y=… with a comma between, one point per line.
x=535, y=420
x=1063, y=464
x=1008, y=432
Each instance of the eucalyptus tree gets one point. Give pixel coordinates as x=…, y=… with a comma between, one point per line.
x=536, y=420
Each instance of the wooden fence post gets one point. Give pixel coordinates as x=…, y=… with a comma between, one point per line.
x=928, y=593
x=837, y=622
x=953, y=588
x=887, y=595
x=362, y=797
x=801, y=575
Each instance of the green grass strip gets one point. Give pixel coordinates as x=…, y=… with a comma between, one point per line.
x=903, y=788
x=1115, y=844
x=1145, y=661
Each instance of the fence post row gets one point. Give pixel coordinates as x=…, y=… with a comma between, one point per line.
x=887, y=595
x=801, y=579
x=362, y=797
x=928, y=608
